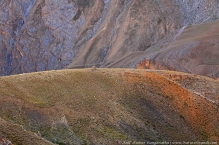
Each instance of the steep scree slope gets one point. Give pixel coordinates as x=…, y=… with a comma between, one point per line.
x=38, y=35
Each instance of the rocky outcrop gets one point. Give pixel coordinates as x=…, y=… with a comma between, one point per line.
x=37, y=35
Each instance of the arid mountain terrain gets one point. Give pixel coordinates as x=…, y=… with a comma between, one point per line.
x=154, y=75
x=195, y=51
x=108, y=106
x=37, y=35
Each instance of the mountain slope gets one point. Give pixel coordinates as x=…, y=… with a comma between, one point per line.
x=194, y=51
x=37, y=35
x=110, y=106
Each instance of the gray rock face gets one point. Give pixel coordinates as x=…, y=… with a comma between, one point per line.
x=200, y=11
x=37, y=35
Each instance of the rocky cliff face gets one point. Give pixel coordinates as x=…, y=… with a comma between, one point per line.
x=37, y=35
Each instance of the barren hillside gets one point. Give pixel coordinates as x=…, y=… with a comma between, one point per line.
x=195, y=51
x=108, y=106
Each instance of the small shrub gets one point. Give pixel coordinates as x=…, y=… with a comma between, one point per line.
x=181, y=116
x=94, y=68
x=185, y=104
